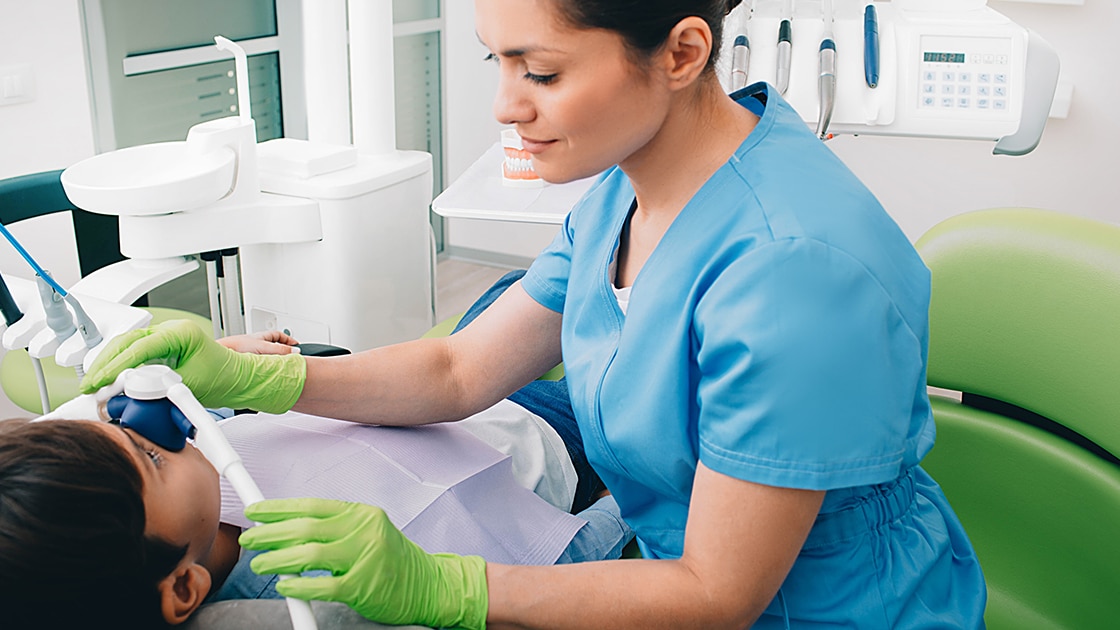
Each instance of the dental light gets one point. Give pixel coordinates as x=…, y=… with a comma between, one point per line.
x=153, y=401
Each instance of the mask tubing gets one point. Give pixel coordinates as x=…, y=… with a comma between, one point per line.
x=215, y=447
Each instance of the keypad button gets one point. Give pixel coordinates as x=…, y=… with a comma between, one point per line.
x=984, y=77
x=928, y=101
x=948, y=76
x=965, y=77
x=999, y=104
x=929, y=88
x=982, y=103
x=999, y=90
x=947, y=101
x=929, y=75
x=983, y=90
x=947, y=88
x=963, y=89
x=1000, y=77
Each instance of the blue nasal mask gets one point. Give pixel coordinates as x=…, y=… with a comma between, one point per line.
x=158, y=421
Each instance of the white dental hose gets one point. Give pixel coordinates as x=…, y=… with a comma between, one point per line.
x=210, y=440
x=41, y=380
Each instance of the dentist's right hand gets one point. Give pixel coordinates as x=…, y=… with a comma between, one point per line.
x=374, y=568
x=218, y=376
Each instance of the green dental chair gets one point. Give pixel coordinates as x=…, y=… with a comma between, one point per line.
x=39, y=194
x=1025, y=321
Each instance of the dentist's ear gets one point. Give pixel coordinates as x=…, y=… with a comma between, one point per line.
x=685, y=51
x=182, y=592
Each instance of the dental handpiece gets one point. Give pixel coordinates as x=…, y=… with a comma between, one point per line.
x=826, y=85
x=826, y=82
x=785, y=55
x=55, y=313
x=740, y=62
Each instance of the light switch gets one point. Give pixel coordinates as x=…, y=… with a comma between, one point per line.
x=17, y=84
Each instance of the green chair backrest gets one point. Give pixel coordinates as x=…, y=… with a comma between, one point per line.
x=1025, y=310
x=1042, y=513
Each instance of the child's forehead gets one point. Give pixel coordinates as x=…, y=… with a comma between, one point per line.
x=113, y=431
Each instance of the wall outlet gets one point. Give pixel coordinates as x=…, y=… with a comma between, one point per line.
x=17, y=84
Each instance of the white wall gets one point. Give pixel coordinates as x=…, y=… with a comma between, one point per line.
x=56, y=129
x=920, y=182
x=53, y=130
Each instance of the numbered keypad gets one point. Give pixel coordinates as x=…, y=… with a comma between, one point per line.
x=980, y=84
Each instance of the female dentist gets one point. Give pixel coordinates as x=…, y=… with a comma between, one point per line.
x=744, y=331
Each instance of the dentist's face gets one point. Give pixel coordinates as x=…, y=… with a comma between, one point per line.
x=576, y=96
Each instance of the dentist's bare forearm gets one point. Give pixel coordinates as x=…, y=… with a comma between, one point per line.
x=402, y=384
x=645, y=594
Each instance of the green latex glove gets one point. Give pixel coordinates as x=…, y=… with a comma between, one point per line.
x=218, y=376
x=375, y=569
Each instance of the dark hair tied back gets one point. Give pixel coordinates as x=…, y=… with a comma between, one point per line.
x=645, y=24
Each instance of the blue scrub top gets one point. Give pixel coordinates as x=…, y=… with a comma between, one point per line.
x=778, y=333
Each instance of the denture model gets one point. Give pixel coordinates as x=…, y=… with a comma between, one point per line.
x=517, y=167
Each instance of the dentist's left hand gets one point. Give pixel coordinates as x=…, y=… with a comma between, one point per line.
x=218, y=376
x=374, y=568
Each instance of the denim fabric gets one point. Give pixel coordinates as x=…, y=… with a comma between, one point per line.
x=549, y=400
x=602, y=538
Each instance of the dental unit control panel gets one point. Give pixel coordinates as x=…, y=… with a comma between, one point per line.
x=923, y=68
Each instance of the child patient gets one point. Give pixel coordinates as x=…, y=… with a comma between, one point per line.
x=98, y=524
